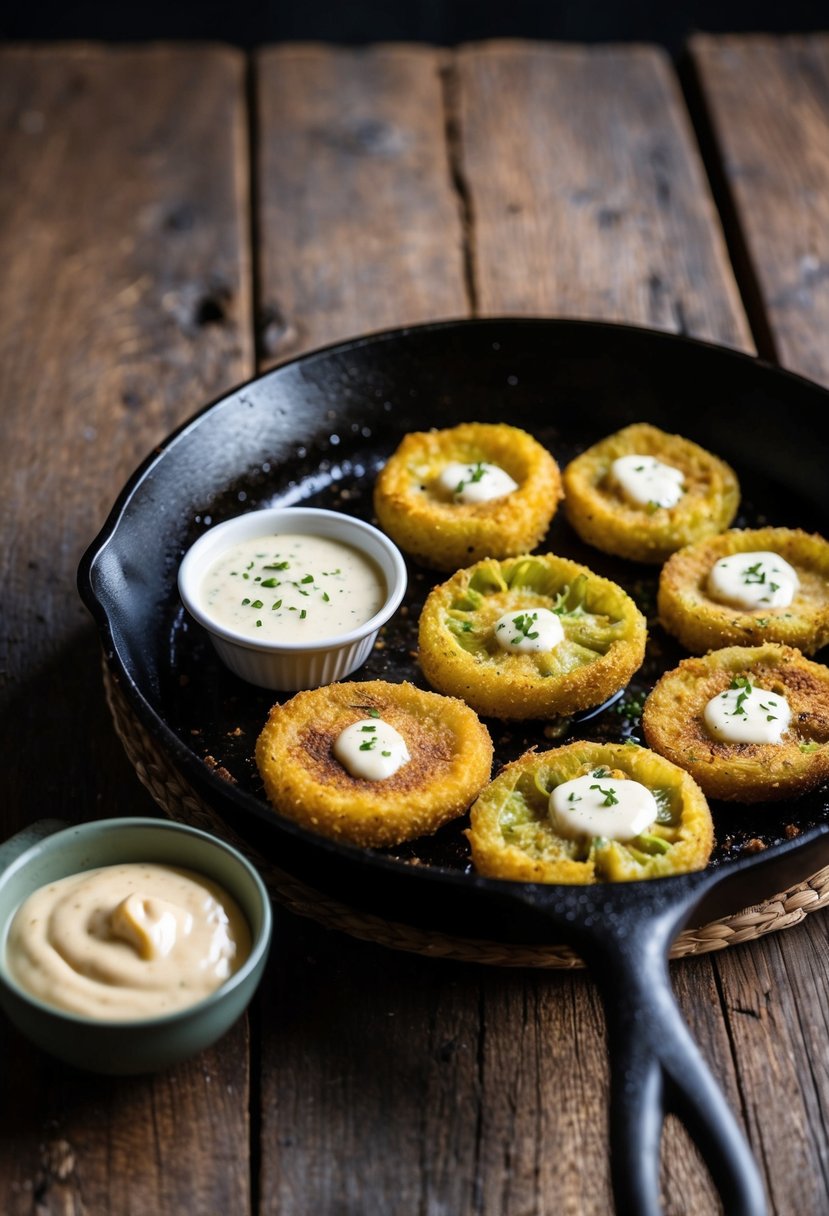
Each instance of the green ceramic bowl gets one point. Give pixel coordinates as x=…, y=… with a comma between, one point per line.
x=49, y=850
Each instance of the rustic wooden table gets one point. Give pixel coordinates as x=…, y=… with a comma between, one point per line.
x=175, y=217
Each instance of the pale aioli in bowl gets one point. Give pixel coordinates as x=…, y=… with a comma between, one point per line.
x=292, y=588
x=136, y=940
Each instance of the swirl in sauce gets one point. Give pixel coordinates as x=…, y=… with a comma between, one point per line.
x=128, y=941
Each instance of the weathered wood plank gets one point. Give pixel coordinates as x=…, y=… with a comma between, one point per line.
x=767, y=102
x=588, y=199
x=359, y=226
x=775, y=998
x=369, y=1101
x=766, y=110
x=587, y=194
x=124, y=245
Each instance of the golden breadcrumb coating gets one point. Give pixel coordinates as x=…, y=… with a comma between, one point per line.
x=512, y=834
x=451, y=758
x=604, y=518
x=702, y=623
x=425, y=521
x=603, y=645
x=673, y=723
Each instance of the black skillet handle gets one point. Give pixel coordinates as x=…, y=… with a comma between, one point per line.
x=656, y=1069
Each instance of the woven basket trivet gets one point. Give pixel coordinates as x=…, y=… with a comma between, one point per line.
x=178, y=800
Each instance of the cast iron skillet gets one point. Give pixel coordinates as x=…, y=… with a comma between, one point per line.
x=316, y=430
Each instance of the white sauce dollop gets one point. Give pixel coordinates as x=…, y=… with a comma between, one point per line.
x=753, y=580
x=371, y=749
x=476, y=482
x=747, y=714
x=529, y=631
x=602, y=806
x=644, y=480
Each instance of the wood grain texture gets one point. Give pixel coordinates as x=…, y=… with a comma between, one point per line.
x=587, y=193
x=767, y=100
x=123, y=239
x=774, y=994
x=766, y=103
x=359, y=226
x=123, y=236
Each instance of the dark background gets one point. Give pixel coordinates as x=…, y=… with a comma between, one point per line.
x=249, y=22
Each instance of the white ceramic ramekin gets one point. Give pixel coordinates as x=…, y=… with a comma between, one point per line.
x=290, y=666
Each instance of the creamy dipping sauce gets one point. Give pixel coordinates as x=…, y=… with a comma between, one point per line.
x=371, y=749
x=753, y=580
x=128, y=941
x=292, y=588
x=745, y=713
x=647, y=482
x=478, y=482
x=602, y=806
x=528, y=632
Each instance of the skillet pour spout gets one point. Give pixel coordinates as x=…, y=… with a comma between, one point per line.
x=656, y=1068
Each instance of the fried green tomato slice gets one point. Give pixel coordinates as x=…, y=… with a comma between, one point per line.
x=425, y=518
x=603, y=642
x=674, y=725
x=451, y=759
x=513, y=836
x=646, y=532
x=701, y=623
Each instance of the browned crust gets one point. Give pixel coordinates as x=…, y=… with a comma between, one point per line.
x=602, y=517
x=451, y=757
x=743, y=772
x=446, y=535
x=702, y=624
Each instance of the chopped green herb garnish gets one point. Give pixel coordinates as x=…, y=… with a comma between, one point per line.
x=258, y=624
x=744, y=685
x=256, y=604
x=309, y=578
x=245, y=602
x=303, y=615
x=610, y=798
x=277, y=566
x=276, y=604
x=326, y=597
x=368, y=746
x=368, y=728
x=476, y=474
x=385, y=753
x=270, y=582
x=524, y=623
